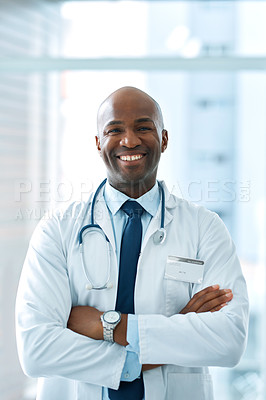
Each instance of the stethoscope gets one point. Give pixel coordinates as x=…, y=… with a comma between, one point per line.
x=158, y=238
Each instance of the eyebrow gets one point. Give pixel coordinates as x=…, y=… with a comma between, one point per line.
x=118, y=122
x=146, y=119
x=115, y=122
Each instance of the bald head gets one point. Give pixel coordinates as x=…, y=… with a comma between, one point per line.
x=131, y=97
x=131, y=139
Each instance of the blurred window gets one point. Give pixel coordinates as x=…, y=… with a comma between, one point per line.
x=216, y=122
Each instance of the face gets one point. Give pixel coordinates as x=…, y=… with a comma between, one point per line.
x=131, y=140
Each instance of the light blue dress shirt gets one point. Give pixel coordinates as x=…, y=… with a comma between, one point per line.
x=150, y=202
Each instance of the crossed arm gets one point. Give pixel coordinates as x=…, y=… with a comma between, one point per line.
x=85, y=320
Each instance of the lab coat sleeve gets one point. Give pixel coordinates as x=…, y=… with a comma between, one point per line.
x=46, y=347
x=203, y=339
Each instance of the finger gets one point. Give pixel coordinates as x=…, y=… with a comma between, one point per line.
x=203, y=292
x=196, y=304
x=218, y=308
x=202, y=297
x=209, y=305
x=198, y=296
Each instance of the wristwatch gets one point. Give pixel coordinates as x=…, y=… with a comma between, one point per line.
x=110, y=319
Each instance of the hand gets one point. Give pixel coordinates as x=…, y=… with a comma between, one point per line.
x=211, y=299
x=86, y=321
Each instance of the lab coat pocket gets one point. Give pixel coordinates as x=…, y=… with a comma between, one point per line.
x=179, y=276
x=189, y=386
x=177, y=295
x=184, y=269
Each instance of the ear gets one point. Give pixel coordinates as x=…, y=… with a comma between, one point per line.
x=97, y=140
x=164, y=140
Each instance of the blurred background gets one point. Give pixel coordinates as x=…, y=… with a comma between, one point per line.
x=204, y=62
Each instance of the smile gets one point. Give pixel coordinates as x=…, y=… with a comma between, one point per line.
x=131, y=158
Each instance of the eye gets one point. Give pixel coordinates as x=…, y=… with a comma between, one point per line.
x=144, y=128
x=114, y=131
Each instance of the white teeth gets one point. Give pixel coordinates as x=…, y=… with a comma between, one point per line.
x=131, y=158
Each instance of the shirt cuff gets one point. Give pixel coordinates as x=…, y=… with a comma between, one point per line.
x=132, y=367
x=132, y=333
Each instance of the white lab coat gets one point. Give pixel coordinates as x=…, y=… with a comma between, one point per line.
x=73, y=367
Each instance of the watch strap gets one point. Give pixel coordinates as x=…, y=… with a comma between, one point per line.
x=108, y=330
x=108, y=333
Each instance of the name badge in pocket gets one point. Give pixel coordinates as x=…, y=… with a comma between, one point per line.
x=184, y=269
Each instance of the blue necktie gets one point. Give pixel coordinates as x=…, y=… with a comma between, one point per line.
x=129, y=254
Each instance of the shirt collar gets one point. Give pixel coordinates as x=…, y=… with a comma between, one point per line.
x=149, y=201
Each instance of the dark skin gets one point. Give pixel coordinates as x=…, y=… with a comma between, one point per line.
x=85, y=320
x=130, y=140
x=129, y=124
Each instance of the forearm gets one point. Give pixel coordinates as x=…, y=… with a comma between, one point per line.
x=53, y=351
x=86, y=321
x=192, y=340
x=46, y=347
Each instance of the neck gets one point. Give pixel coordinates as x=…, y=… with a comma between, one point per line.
x=132, y=189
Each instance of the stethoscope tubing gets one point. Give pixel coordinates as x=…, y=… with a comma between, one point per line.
x=160, y=235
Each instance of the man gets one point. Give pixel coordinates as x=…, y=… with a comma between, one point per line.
x=169, y=270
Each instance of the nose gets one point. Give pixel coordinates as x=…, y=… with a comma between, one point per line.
x=130, y=139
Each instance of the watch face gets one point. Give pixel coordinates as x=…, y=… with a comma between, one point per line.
x=111, y=317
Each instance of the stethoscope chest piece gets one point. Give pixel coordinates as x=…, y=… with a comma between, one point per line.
x=159, y=236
